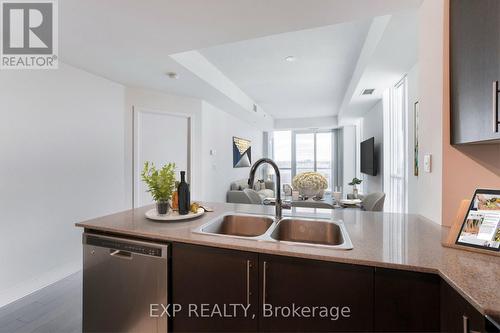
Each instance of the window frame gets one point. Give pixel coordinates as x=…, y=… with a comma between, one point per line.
x=293, y=147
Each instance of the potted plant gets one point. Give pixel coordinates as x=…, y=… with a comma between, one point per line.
x=161, y=184
x=355, y=181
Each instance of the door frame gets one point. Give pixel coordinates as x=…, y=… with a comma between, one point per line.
x=136, y=169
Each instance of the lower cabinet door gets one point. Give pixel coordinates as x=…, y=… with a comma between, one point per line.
x=406, y=301
x=458, y=315
x=216, y=288
x=312, y=296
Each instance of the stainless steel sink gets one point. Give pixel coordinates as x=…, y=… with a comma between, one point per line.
x=238, y=225
x=308, y=231
x=294, y=231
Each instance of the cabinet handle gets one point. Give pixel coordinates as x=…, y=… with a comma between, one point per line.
x=264, y=267
x=466, y=329
x=249, y=265
x=496, y=121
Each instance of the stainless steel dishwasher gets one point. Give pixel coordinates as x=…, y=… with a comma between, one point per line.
x=121, y=279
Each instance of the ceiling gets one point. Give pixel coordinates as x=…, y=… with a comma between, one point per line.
x=130, y=41
x=394, y=55
x=313, y=84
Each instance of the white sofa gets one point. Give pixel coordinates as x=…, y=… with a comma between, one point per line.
x=236, y=193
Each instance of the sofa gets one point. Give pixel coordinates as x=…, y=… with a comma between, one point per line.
x=239, y=192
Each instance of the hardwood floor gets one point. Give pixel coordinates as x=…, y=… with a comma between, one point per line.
x=53, y=309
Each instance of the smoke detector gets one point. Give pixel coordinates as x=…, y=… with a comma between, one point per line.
x=368, y=91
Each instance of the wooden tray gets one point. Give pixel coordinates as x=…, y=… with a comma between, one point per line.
x=452, y=236
x=173, y=215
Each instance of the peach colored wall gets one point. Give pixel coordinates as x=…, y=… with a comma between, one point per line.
x=465, y=168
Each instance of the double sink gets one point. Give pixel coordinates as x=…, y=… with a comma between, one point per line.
x=310, y=232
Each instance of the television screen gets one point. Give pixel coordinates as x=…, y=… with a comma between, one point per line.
x=368, y=162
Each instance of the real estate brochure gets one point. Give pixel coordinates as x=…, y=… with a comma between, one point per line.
x=481, y=227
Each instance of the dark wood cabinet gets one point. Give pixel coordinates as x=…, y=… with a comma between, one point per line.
x=290, y=282
x=406, y=301
x=300, y=295
x=458, y=315
x=474, y=67
x=209, y=279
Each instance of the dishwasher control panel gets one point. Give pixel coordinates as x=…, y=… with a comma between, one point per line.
x=120, y=245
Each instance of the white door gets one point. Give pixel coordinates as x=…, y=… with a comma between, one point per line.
x=161, y=138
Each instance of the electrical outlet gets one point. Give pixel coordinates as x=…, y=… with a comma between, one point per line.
x=428, y=163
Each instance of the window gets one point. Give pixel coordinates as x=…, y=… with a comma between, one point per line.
x=395, y=126
x=324, y=161
x=302, y=151
x=282, y=151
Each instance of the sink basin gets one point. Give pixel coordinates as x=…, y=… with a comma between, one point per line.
x=322, y=233
x=313, y=232
x=239, y=225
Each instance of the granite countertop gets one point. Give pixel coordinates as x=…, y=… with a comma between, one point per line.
x=400, y=241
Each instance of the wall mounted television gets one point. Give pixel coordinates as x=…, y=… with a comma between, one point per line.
x=368, y=158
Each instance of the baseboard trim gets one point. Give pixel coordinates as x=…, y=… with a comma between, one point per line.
x=32, y=285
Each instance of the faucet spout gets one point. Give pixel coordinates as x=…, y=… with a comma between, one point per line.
x=251, y=179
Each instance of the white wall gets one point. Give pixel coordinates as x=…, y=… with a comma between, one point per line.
x=349, y=150
x=159, y=101
x=212, y=129
x=373, y=126
x=62, y=161
x=218, y=129
x=428, y=190
x=412, y=79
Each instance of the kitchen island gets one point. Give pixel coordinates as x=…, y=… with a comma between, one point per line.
x=386, y=248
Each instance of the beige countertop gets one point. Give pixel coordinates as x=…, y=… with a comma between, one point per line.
x=400, y=241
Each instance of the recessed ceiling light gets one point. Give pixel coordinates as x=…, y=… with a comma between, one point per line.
x=290, y=58
x=173, y=75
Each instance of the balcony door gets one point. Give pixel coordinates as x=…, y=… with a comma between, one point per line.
x=304, y=151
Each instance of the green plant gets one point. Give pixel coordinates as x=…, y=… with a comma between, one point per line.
x=161, y=183
x=355, y=181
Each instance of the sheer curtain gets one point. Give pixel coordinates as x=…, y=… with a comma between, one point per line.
x=395, y=156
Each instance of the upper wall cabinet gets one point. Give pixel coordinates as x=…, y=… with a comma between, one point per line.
x=475, y=70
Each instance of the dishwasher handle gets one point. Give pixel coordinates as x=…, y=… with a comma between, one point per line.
x=120, y=254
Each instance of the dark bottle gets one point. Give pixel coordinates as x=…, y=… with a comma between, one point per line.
x=183, y=193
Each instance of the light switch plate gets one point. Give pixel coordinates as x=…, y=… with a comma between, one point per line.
x=427, y=163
